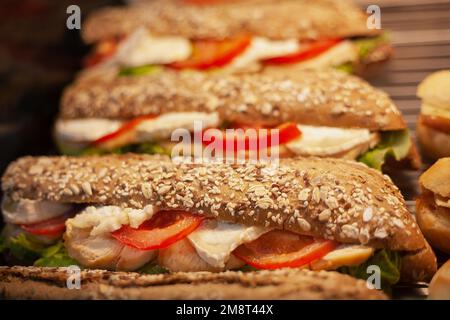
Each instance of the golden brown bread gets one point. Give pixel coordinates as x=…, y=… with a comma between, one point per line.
x=437, y=178
x=300, y=19
x=325, y=198
x=434, y=219
x=50, y=283
x=434, y=143
x=328, y=98
x=434, y=222
x=439, y=288
x=434, y=89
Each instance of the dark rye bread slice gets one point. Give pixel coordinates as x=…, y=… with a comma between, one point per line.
x=334, y=199
x=299, y=19
x=327, y=98
x=50, y=283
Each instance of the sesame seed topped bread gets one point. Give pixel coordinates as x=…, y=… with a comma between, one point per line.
x=333, y=199
x=50, y=283
x=327, y=98
x=300, y=19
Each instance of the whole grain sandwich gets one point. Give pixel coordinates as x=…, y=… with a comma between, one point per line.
x=235, y=37
x=315, y=113
x=51, y=283
x=148, y=214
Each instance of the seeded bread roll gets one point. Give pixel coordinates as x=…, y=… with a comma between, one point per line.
x=334, y=199
x=302, y=19
x=50, y=283
x=327, y=98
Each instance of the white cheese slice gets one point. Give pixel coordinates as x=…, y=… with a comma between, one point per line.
x=85, y=130
x=161, y=128
x=214, y=240
x=341, y=53
x=442, y=201
x=327, y=141
x=262, y=48
x=344, y=255
x=141, y=48
x=106, y=219
x=27, y=211
x=434, y=110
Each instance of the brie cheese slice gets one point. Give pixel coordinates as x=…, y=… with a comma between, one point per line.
x=141, y=48
x=328, y=141
x=341, y=53
x=85, y=130
x=162, y=127
x=344, y=255
x=215, y=240
x=262, y=48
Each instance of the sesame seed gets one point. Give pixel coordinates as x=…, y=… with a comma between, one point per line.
x=86, y=186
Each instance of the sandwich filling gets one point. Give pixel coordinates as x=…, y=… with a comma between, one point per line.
x=243, y=52
x=150, y=240
x=154, y=134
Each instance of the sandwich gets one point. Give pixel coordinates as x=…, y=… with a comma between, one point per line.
x=148, y=214
x=235, y=37
x=50, y=283
x=433, y=205
x=439, y=288
x=322, y=113
x=433, y=126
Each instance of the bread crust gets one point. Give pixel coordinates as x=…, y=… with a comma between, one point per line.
x=434, y=143
x=434, y=222
x=327, y=98
x=360, y=205
x=439, y=288
x=437, y=178
x=50, y=283
x=302, y=19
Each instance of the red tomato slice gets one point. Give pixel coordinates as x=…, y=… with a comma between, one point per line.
x=103, y=51
x=212, y=53
x=123, y=135
x=308, y=51
x=282, y=249
x=51, y=227
x=163, y=229
x=287, y=132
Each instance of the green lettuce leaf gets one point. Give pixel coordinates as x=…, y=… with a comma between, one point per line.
x=389, y=263
x=394, y=144
x=145, y=148
x=23, y=248
x=346, y=68
x=367, y=45
x=152, y=268
x=55, y=256
x=247, y=268
x=30, y=251
x=139, y=71
x=2, y=244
